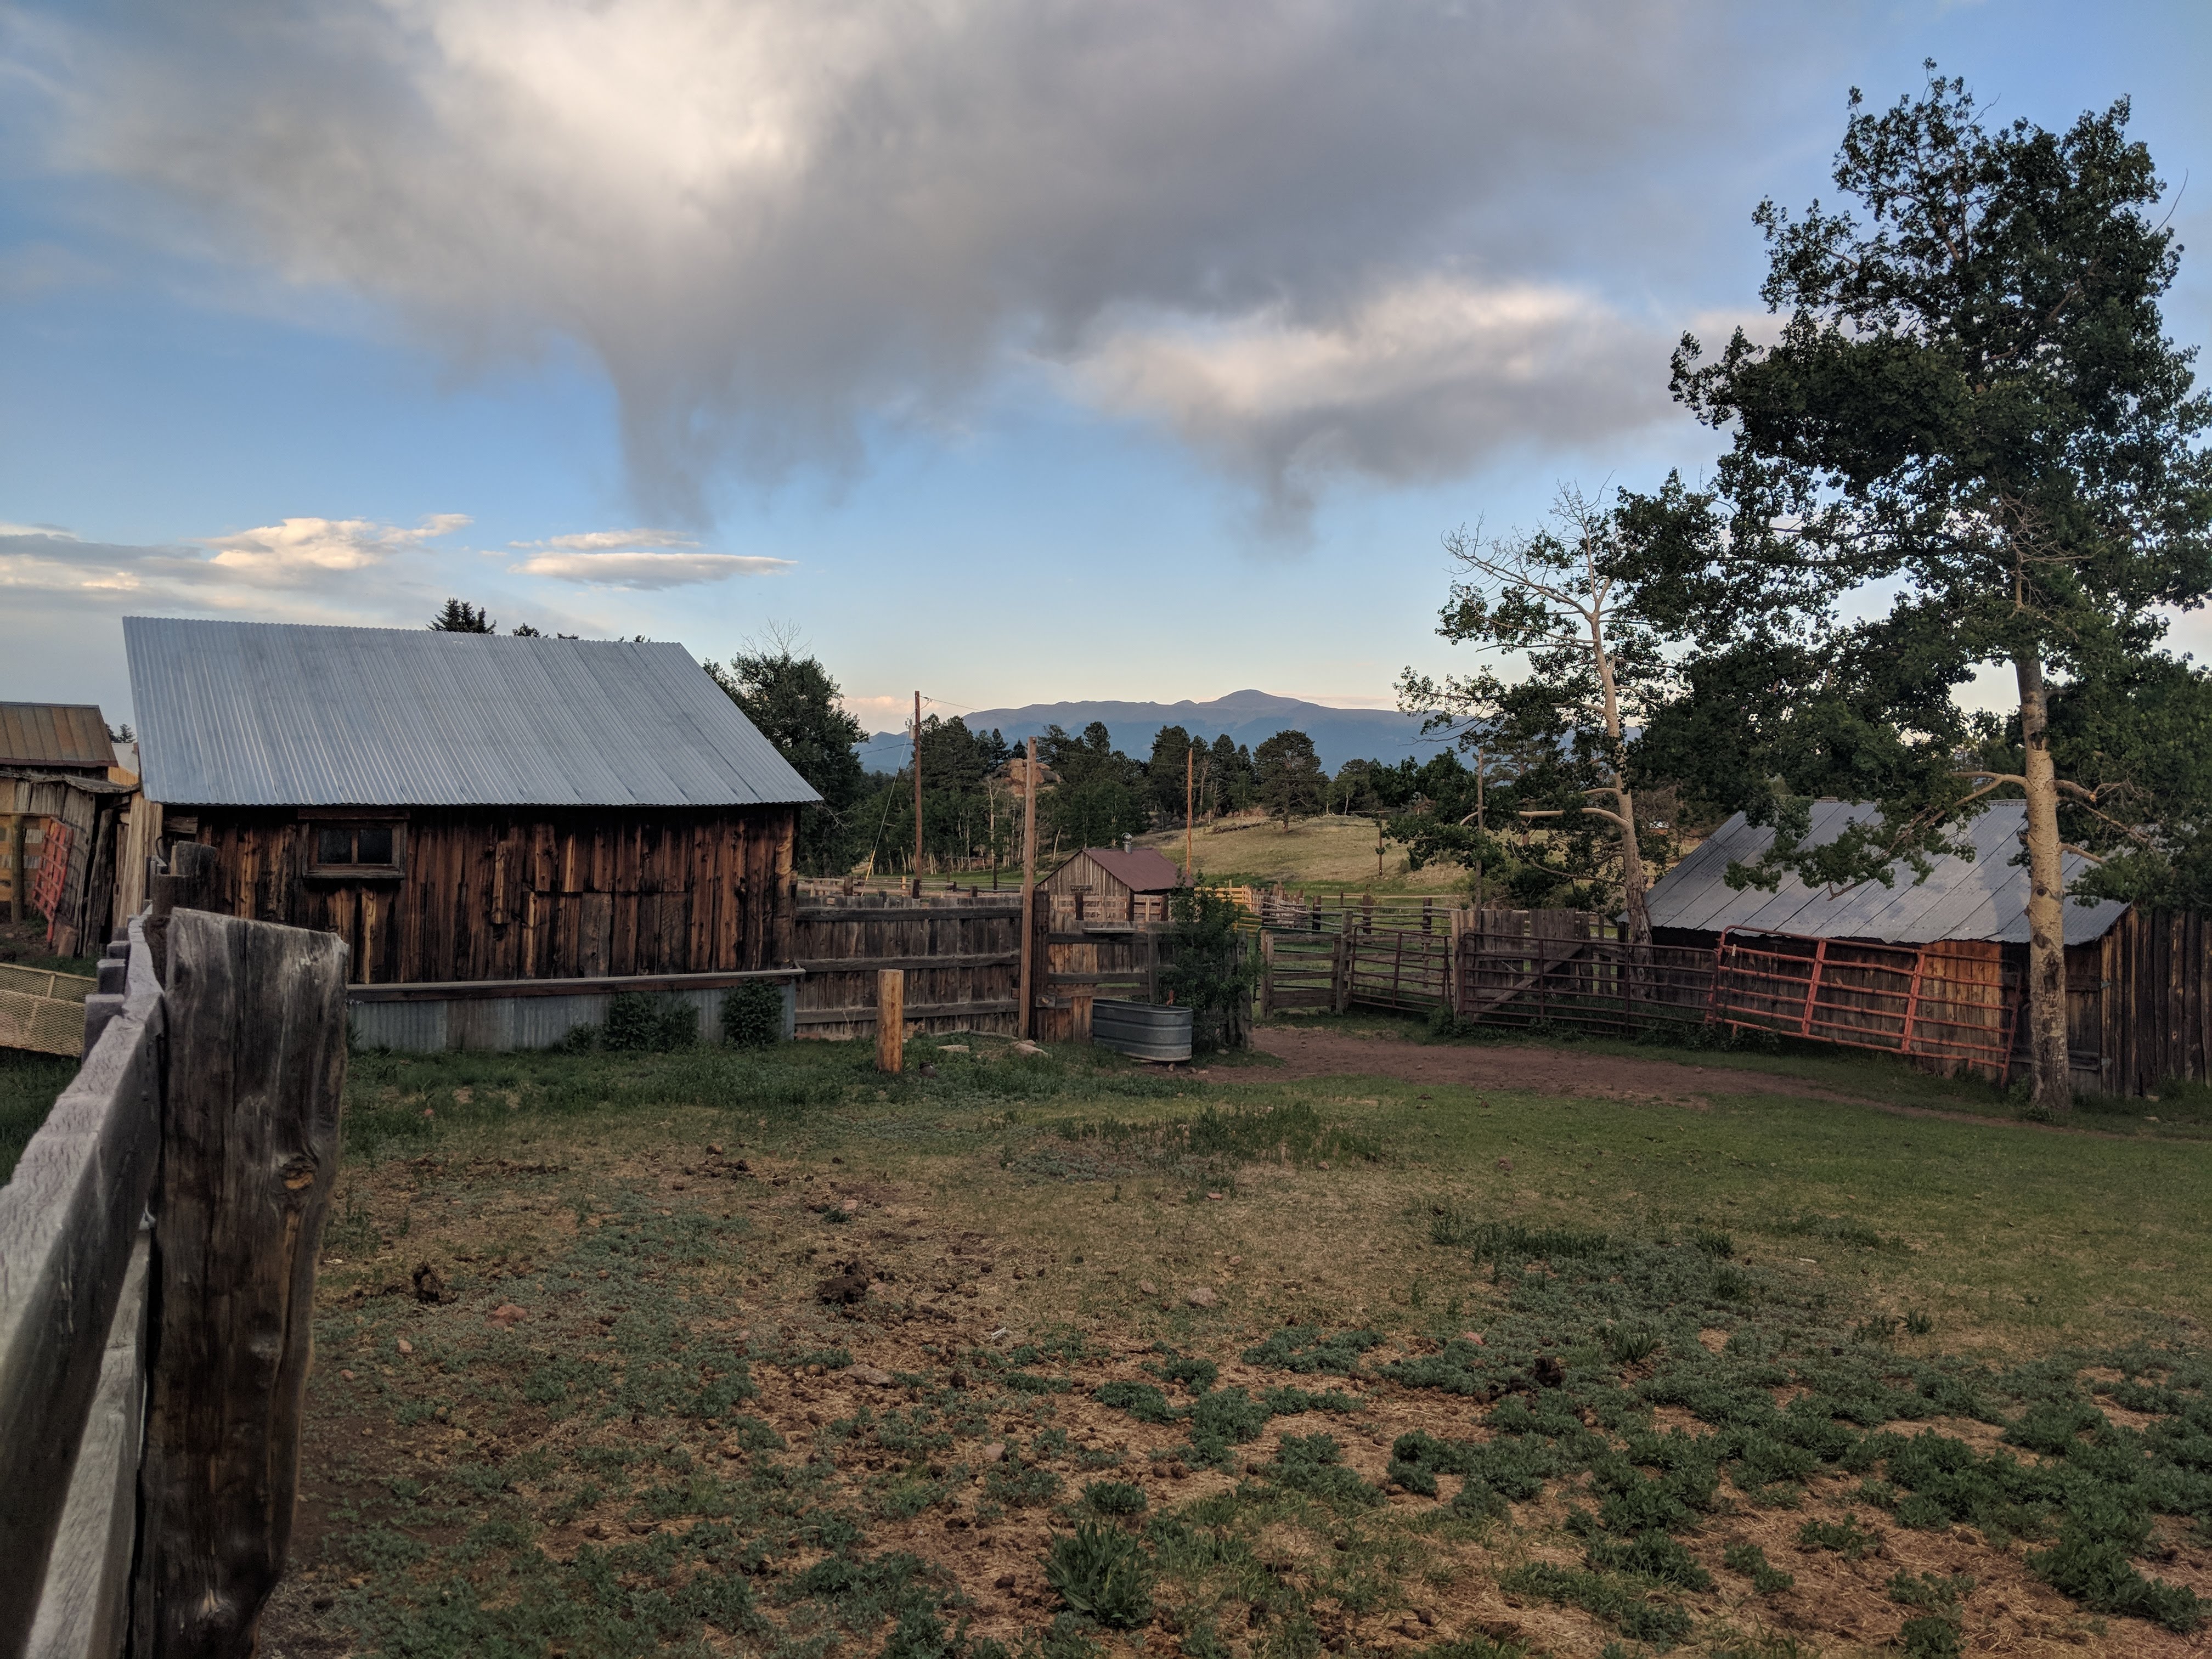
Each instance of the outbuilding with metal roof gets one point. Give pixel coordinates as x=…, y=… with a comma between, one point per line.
x=485, y=819
x=2138, y=982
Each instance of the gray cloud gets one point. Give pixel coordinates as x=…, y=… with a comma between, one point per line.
x=773, y=221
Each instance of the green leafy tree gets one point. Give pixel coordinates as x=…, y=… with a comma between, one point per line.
x=1971, y=402
x=1566, y=601
x=796, y=704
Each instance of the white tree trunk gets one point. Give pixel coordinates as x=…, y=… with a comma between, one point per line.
x=2047, y=916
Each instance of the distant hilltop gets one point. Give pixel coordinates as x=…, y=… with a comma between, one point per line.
x=1247, y=717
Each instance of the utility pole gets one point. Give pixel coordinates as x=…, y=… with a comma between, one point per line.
x=1024, y=1018
x=1189, y=772
x=917, y=792
x=1478, y=823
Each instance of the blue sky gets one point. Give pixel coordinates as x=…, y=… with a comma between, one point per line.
x=1013, y=353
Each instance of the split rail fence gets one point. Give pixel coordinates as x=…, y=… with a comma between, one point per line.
x=158, y=1243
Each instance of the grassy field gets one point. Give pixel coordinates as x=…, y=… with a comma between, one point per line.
x=1318, y=853
x=29, y=1084
x=711, y=1353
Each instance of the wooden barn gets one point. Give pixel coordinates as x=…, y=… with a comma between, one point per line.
x=1949, y=952
x=1112, y=884
x=59, y=818
x=504, y=830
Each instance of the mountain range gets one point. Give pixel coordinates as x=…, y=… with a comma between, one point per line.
x=1246, y=717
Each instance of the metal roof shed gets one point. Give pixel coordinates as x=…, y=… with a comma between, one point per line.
x=474, y=810
x=282, y=714
x=1984, y=897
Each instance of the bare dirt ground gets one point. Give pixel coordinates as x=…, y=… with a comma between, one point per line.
x=1559, y=1071
x=1497, y=1065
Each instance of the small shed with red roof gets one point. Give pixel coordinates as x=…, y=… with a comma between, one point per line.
x=1116, y=884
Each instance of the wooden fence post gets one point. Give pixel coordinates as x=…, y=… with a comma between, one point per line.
x=257, y=1026
x=890, y=1020
x=188, y=884
x=1025, y=1017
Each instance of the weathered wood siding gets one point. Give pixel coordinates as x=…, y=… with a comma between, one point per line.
x=961, y=958
x=491, y=894
x=2138, y=1004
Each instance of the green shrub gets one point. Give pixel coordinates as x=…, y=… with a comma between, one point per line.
x=1651, y=1555
x=639, y=1023
x=1208, y=968
x=1102, y=1572
x=752, y=1014
x=2096, y=1572
x=1846, y=1537
x=1115, y=1497
x=1931, y=1637
x=1751, y=1561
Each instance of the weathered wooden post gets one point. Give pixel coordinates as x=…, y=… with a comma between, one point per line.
x=250, y=1148
x=890, y=1020
x=188, y=884
x=1025, y=1017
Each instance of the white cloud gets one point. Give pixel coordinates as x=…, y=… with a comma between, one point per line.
x=303, y=550
x=1418, y=380
x=646, y=570
x=605, y=541
x=774, y=220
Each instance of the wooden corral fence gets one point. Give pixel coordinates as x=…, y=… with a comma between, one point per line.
x=962, y=957
x=1574, y=968
x=1081, y=958
x=158, y=1245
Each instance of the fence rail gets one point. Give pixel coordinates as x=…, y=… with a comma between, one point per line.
x=158, y=1243
x=1565, y=967
x=1953, y=1001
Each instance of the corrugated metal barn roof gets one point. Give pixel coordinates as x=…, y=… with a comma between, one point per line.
x=236, y=713
x=1982, y=898
x=53, y=734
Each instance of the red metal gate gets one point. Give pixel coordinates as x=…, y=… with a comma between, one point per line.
x=1955, y=1000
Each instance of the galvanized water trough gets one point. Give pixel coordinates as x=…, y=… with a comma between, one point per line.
x=1142, y=1028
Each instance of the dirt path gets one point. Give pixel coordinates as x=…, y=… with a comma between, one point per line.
x=1564, y=1072
x=1501, y=1065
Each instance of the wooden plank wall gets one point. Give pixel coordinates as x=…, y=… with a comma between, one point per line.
x=961, y=956
x=488, y=895
x=2138, y=1010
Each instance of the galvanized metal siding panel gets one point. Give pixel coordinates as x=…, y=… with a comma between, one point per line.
x=1984, y=897
x=275, y=714
x=511, y=1023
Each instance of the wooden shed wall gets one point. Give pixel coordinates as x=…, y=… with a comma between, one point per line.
x=493, y=894
x=2139, y=1003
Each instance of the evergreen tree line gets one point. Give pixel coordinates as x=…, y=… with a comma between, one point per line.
x=971, y=804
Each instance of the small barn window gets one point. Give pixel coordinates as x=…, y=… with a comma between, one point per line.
x=360, y=851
